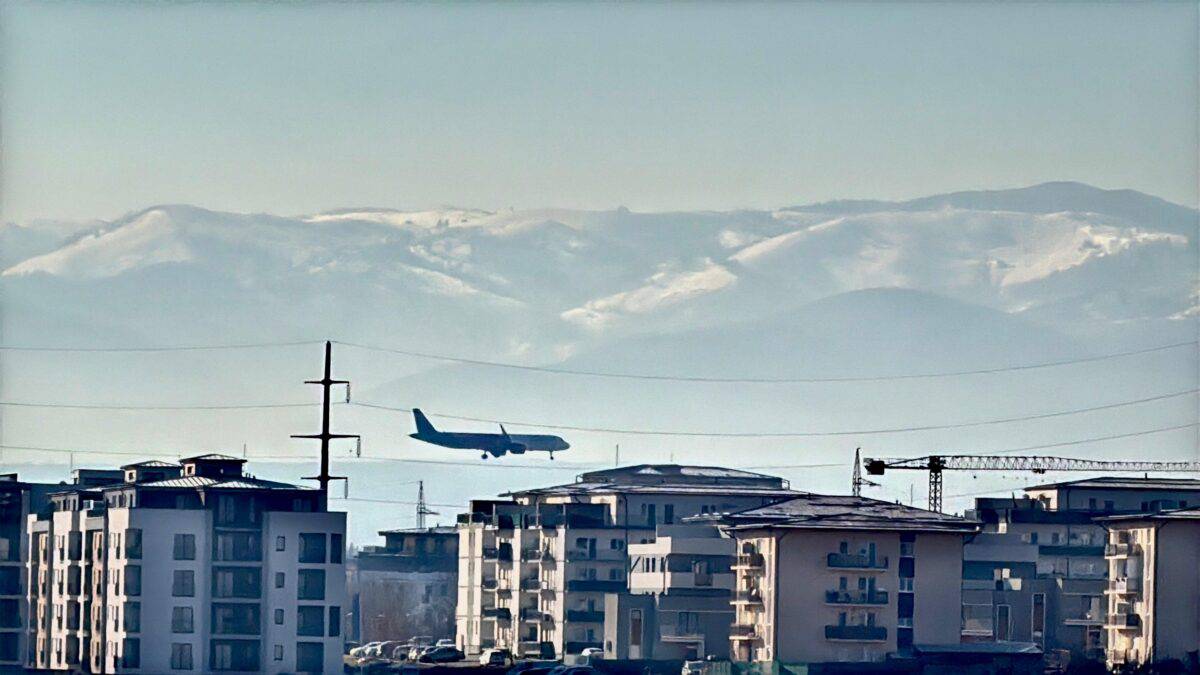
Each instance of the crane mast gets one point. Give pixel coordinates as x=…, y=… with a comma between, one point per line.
x=936, y=464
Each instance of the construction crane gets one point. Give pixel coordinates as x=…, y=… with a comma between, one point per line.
x=936, y=464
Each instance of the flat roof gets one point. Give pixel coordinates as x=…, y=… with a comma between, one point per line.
x=436, y=529
x=1124, y=483
x=844, y=512
x=1191, y=513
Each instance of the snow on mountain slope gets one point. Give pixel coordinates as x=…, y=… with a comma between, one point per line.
x=570, y=278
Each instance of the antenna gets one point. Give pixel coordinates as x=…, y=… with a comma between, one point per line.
x=422, y=507
x=326, y=383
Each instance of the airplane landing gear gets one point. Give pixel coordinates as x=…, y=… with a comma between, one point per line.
x=484, y=455
x=551, y=455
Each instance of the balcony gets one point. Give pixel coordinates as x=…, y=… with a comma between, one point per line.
x=596, y=585
x=498, y=613
x=490, y=552
x=1124, y=622
x=856, y=561
x=535, y=554
x=489, y=584
x=749, y=561
x=856, y=597
x=533, y=615
x=585, y=616
x=533, y=584
x=1121, y=550
x=743, y=631
x=1124, y=585
x=548, y=587
x=856, y=633
x=748, y=597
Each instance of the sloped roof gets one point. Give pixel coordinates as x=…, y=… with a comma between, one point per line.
x=668, y=479
x=152, y=463
x=213, y=457
x=242, y=482
x=839, y=512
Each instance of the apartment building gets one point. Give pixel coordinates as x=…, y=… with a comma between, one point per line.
x=1153, y=592
x=678, y=604
x=535, y=566
x=405, y=588
x=837, y=579
x=1037, y=573
x=183, y=567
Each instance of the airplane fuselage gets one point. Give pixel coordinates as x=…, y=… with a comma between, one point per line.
x=494, y=444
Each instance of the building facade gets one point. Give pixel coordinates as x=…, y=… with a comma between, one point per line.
x=832, y=579
x=1153, y=592
x=678, y=604
x=405, y=588
x=186, y=567
x=1037, y=572
x=534, y=567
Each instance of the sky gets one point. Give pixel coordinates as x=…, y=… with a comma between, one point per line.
x=296, y=108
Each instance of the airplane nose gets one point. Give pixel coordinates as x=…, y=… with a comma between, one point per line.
x=563, y=445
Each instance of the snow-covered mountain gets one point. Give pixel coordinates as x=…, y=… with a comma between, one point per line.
x=551, y=281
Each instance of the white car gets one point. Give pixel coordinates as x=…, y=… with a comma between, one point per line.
x=494, y=657
x=444, y=642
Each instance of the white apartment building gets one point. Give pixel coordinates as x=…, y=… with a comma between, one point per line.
x=833, y=579
x=190, y=567
x=534, y=567
x=1153, y=593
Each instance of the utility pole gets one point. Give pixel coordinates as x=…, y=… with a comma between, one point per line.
x=326, y=383
x=422, y=508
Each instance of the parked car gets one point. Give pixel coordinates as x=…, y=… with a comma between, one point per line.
x=532, y=667
x=415, y=652
x=442, y=655
x=494, y=657
x=593, y=652
x=574, y=670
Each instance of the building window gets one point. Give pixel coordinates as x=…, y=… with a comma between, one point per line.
x=133, y=580
x=280, y=543
x=335, y=548
x=310, y=621
x=181, y=620
x=635, y=628
x=279, y=617
x=278, y=652
x=185, y=548
x=234, y=655
x=133, y=617
x=181, y=656
x=131, y=653
x=235, y=618
x=279, y=579
x=310, y=657
x=133, y=544
x=184, y=584
x=237, y=582
x=335, y=620
x=312, y=547
x=310, y=585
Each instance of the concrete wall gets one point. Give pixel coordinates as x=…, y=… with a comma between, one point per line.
x=1173, y=593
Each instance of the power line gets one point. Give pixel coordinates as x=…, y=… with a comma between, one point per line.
x=791, y=434
x=1094, y=439
x=86, y=406
x=393, y=501
x=166, y=348
x=760, y=380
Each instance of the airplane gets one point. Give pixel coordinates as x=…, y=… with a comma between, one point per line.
x=494, y=445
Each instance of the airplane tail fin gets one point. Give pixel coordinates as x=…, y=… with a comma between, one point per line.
x=423, y=425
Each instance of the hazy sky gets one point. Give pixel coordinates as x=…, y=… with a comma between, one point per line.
x=298, y=108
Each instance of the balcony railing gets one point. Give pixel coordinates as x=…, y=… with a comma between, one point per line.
x=1125, y=585
x=490, y=552
x=499, y=613
x=749, y=561
x=743, y=631
x=585, y=616
x=533, y=614
x=856, y=633
x=856, y=597
x=1124, y=621
x=489, y=584
x=531, y=584
x=1118, y=550
x=597, y=585
x=751, y=597
x=857, y=561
